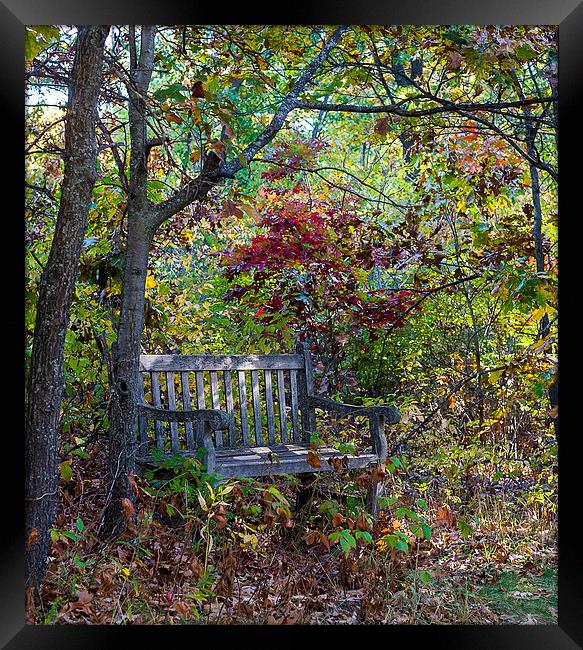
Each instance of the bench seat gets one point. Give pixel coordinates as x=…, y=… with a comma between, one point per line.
x=275, y=459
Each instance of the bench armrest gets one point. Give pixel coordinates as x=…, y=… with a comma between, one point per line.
x=390, y=414
x=212, y=419
x=216, y=419
x=377, y=415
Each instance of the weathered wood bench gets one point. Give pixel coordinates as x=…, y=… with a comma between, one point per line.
x=275, y=440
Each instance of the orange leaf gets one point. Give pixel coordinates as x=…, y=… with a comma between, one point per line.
x=312, y=459
x=127, y=508
x=172, y=117
x=444, y=517
x=338, y=519
x=33, y=537
x=182, y=609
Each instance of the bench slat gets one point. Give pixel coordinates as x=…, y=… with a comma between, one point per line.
x=243, y=408
x=157, y=401
x=194, y=362
x=172, y=406
x=269, y=407
x=255, y=461
x=281, y=405
x=230, y=409
x=216, y=405
x=256, y=407
x=285, y=459
x=200, y=402
x=294, y=405
x=187, y=405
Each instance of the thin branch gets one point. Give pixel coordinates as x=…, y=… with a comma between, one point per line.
x=446, y=107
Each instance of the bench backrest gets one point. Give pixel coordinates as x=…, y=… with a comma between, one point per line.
x=265, y=394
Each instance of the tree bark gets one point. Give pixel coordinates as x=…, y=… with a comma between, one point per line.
x=46, y=378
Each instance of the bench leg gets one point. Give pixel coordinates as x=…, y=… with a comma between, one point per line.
x=372, y=497
x=305, y=490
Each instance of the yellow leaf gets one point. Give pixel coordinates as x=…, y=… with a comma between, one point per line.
x=495, y=376
x=150, y=281
x=537, y=314
x=202, y=502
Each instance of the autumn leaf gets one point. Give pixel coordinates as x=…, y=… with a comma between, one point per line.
x=33, y=537
x=84, y=597
x=173, y=118
x=454, y=60
x=150, y=281
x=312, y=459
x=127, y=508
x=338, y=519
x=219, y=148
x=182, y=609
x=382, y=126
x=196, y=90
x=66, y=470
x=251, y=211
x=444, y=517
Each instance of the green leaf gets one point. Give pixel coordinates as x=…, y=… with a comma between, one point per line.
x=525, y=53
x=70, y=535
x=391, y=540
x=347, y=541
x=79, y=525
x=465, y=529
x=178, y=92
x=425, y=577
x=65, y=470
x=365, y=535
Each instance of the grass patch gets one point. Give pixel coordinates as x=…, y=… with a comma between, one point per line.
x=530, y=598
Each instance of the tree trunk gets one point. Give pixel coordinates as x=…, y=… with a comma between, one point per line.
x=126, y=349
x=46, y=379
x=125, y=392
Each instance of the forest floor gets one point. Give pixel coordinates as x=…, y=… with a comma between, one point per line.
x=490, y=559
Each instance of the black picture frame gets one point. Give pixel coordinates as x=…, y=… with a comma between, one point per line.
x=568, y=14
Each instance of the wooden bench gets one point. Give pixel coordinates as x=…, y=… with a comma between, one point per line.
x=215, y=393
